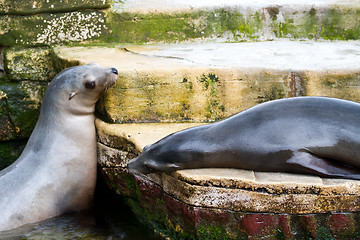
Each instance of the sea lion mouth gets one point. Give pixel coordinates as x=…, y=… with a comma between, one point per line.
x=112, y=79
x=133, y=167
x=137, y=166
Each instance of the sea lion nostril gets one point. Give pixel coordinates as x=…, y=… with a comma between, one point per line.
x=114, y=70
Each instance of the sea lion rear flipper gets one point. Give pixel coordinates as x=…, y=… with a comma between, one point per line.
x=309, y=163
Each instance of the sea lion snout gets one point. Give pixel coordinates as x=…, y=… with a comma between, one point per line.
x=115, y=71
x=135, y=166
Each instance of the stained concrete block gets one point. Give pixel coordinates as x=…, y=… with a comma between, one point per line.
x=35, y=64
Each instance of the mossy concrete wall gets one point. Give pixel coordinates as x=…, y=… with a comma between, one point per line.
x=235, y=24
x=190, y=94
x=57, y=22
x=211, y=94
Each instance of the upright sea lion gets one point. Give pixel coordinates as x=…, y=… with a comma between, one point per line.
x=56, y=172
x=310, y=135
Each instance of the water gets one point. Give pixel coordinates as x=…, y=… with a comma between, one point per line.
x=110, y=219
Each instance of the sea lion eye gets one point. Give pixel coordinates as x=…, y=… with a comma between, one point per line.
x=90, y=84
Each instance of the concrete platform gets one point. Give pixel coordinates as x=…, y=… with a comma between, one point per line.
x=278, y=55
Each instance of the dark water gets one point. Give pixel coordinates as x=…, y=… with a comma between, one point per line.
x=110, y=219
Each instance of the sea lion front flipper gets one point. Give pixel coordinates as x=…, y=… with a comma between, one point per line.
x=306, y=162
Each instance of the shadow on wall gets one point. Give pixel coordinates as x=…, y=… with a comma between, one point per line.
x=2, y=71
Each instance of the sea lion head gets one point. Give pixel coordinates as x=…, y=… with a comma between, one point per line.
x=157, y=157
x=77, y=89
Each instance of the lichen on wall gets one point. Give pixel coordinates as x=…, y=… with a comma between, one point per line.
x=71, y=27
x=53, y=28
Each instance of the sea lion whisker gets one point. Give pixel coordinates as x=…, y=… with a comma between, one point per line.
x=72, y=95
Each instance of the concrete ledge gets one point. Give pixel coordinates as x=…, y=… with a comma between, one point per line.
x=144, y=21
x=225, y=203
x=231, y=189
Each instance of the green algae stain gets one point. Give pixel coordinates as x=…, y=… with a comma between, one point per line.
x=310, y=22
x=323, y=233
x=276, y=91
x=332, y=29
x=23, y=106
x=212, y=232
x=141, y=28
x=241, y=27
x=214, y=108
x=340, y=24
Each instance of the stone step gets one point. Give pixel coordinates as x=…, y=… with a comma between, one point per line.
x=206, y=82
x=149, y=21
x=235, y=21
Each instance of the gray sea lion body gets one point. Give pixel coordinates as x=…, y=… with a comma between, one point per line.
x=56, y=172
x=311, y=135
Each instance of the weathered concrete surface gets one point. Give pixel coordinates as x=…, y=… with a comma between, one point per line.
x=36, y=64
x=134, y=137
x=206, y=82
x=224, y=203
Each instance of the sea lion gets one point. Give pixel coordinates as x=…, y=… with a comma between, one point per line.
x=309, y=135
x=56, y=172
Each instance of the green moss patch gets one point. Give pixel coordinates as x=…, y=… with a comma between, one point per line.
x=23, y=106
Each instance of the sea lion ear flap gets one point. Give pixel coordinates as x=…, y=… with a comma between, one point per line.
x=72, y=94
